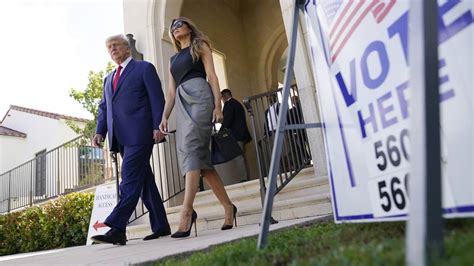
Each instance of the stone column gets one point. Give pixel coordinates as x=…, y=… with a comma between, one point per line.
x=306, y=88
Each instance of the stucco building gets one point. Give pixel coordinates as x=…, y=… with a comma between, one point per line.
x=32, y=168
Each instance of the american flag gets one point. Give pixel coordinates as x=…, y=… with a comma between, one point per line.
x=345, y=16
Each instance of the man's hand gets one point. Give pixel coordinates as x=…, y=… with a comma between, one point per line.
x=97, y=141
x=217, y=116
x=158, y=135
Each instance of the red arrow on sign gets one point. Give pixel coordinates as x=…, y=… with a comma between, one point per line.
x=98, y=225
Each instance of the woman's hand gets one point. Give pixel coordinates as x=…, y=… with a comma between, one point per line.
x=164, y=126
x=217, y=116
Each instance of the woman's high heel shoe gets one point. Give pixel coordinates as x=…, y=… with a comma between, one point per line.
x=229, y=226
x=181, y=234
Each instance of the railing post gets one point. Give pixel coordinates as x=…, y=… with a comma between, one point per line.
x=58, y=185
x=31, y=183
x=248, y=105
x=9, y=191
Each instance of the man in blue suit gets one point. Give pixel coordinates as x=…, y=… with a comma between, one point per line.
x=129, y=113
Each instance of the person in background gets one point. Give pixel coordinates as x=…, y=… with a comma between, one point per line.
x=297, y=137
x=234, y=119
x=271, y=115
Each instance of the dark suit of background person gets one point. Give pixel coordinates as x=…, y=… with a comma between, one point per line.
x=234, y=119
x=130, y=115
x=271, y=115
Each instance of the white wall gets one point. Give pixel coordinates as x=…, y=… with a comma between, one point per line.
x=42, y=133
x=9, y=147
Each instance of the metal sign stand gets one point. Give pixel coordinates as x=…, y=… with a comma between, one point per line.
x=424, y=238
x=281, y=127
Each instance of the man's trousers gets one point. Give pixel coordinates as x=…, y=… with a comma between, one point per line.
x=138, y=181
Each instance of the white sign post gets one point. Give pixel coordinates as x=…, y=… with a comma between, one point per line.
x=104, y=202
x=360, y=58
x=424, y=221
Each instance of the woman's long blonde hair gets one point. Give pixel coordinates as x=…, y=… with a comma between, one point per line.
x=198, y=39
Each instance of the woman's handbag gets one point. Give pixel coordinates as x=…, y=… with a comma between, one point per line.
x=224, y=147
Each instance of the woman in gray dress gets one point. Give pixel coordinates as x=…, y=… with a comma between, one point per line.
x=198, y=106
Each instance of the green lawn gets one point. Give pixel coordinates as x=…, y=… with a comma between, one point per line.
x=330, y=244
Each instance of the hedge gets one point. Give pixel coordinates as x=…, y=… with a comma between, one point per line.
x=59, y=223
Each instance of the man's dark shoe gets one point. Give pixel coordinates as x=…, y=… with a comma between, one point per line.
x=157, y=234
x=113, y=236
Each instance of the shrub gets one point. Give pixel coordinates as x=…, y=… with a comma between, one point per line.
x=60, y=223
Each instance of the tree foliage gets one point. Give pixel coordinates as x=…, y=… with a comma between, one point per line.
x=89, y=99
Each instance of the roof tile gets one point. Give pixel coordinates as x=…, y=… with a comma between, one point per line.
x=47, y=114
x=5, y=131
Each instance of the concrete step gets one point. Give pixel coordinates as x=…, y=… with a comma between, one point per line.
x=253, y=185
x=249, y=192
x=299, y=188
x=304, y=196
x=282, y=210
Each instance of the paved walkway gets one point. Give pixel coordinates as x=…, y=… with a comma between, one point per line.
x=138, y=251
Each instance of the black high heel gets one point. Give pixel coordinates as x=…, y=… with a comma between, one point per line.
x=230, y=226
x=181, y=234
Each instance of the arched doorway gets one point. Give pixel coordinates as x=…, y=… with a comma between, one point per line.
x=248, y=35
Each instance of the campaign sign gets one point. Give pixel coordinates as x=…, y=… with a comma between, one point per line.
x=105, y=199
x=360, y=62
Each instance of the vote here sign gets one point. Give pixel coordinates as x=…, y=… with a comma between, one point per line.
x=359, y=53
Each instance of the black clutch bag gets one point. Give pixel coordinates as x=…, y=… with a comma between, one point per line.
x=224, y=146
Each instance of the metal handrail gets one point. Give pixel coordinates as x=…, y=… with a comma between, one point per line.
x=50, y=151
x=296, y=151
x=263, y=94
x=74, y=166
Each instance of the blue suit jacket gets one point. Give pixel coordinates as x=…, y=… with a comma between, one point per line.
x=135, y=109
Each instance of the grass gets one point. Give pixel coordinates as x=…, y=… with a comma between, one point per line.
x=330, y=244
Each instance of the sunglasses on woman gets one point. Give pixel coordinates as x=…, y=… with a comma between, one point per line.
x=177, y=24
